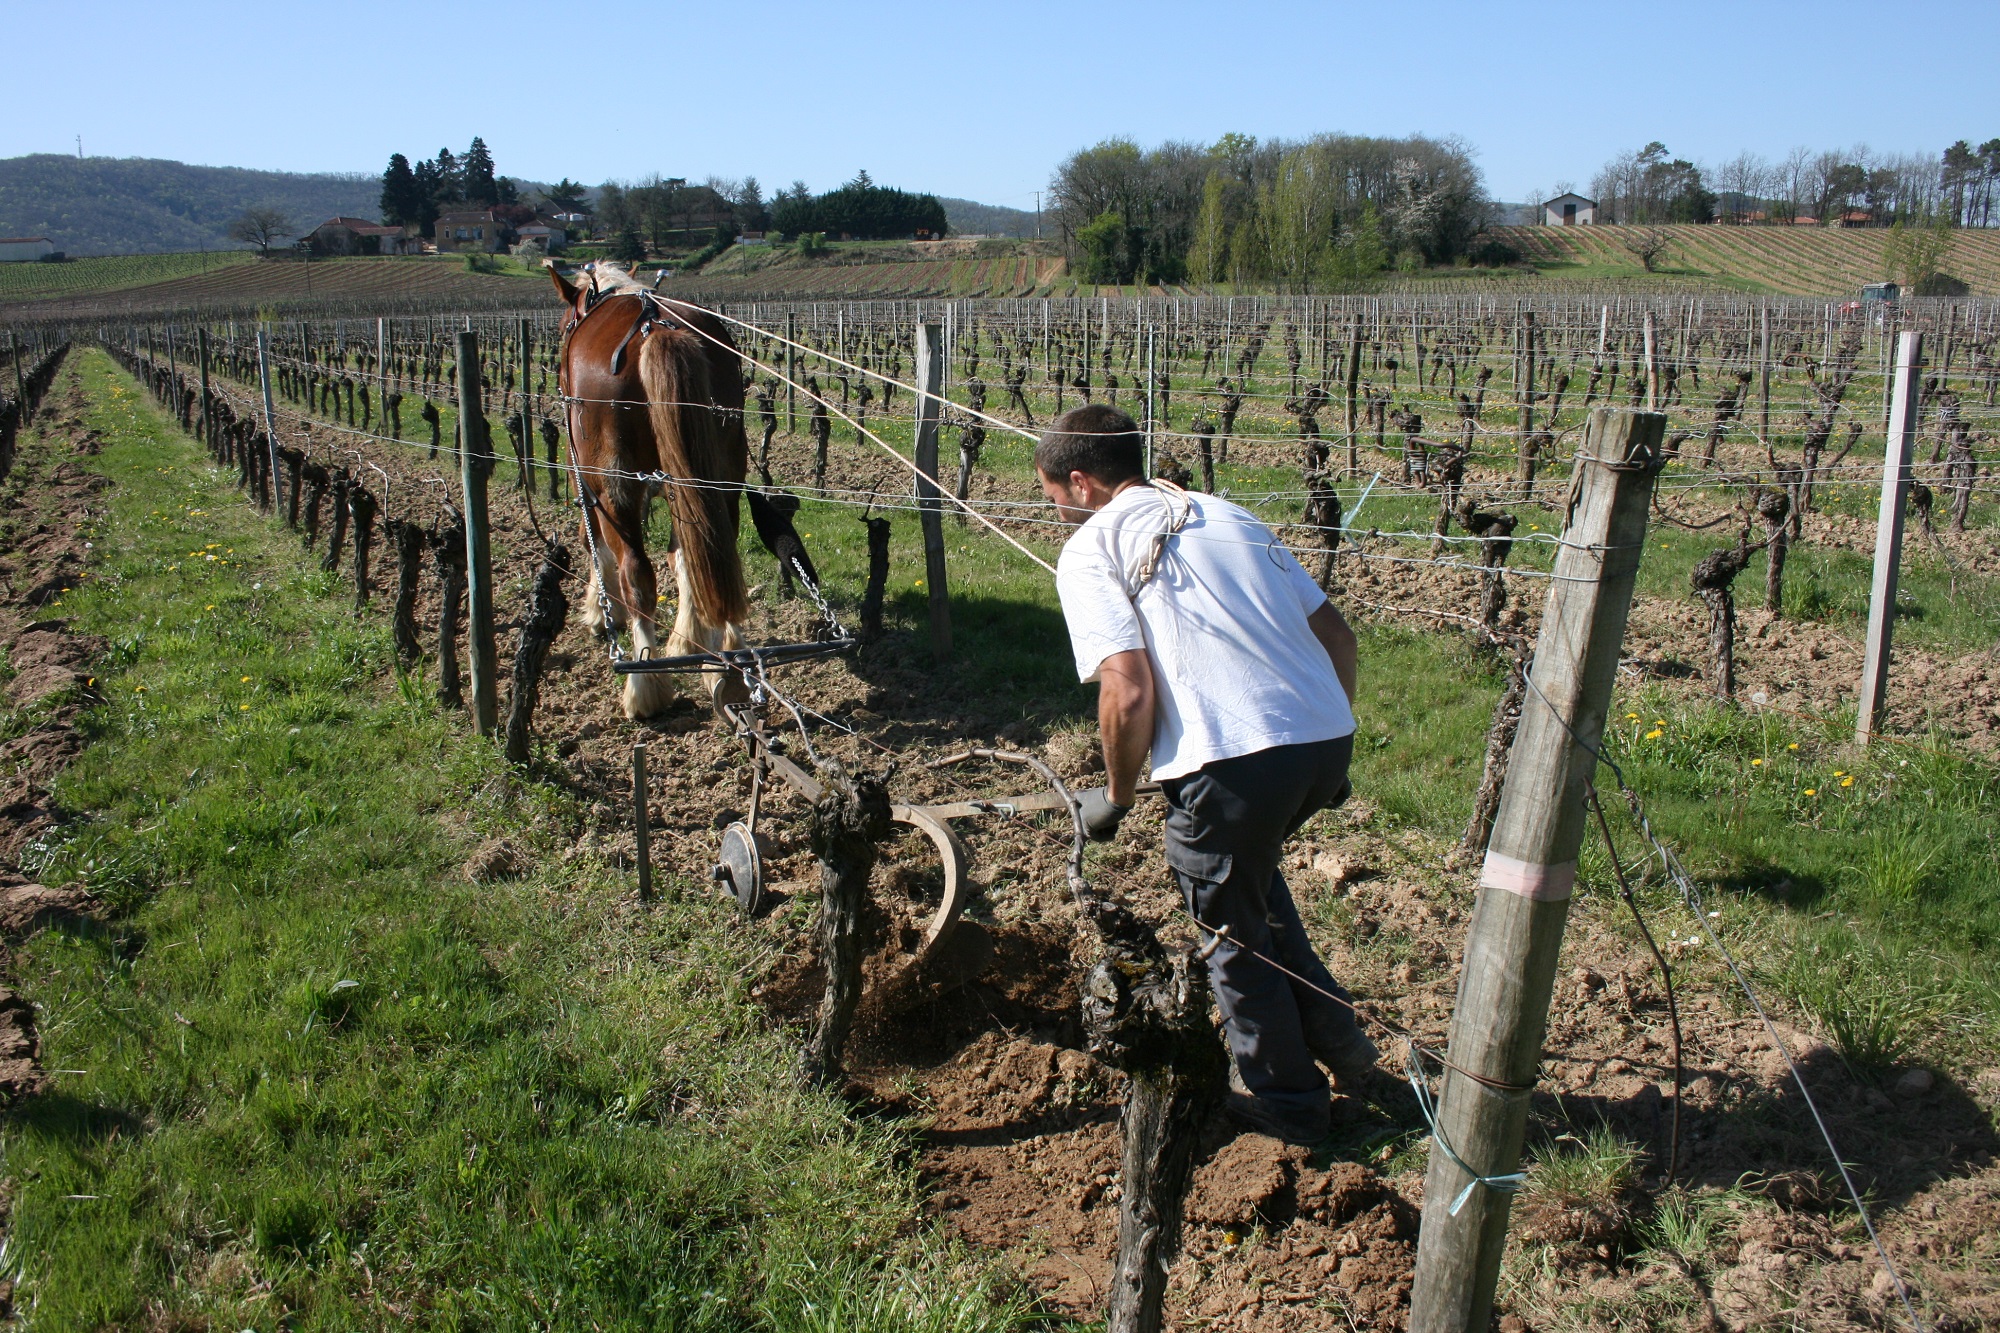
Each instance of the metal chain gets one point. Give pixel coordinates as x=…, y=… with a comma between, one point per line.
x=819, y=600
x=617, y=652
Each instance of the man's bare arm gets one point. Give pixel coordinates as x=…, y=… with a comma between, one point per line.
x=1125, y=705
x=1337, y=637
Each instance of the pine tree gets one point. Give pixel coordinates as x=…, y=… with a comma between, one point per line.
x=566, y=195
x=402, y=196
x=477, y=173
x=450, y=178
x=430, y=188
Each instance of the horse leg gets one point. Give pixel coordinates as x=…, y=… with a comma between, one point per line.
x=603, y=574
x=691, y=634
x=631, y=574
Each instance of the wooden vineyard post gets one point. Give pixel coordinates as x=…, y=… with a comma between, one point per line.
x=20, y=391
x=1889, y=536
x=1149, y=403
x=930, y=401
x=175, y=404
x=791, y=372
x=475, y=465
x=527, y=444
x=207, y=403
x=642, y=829
x=1764, y=374
x=1353, y=404
x=1525, y=443
x=1516, y=933
x=270, y=411
x=1652, y=368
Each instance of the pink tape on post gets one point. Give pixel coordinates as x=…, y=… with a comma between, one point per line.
x=1547, y=884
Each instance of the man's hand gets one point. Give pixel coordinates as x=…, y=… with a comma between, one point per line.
x=1101, y=814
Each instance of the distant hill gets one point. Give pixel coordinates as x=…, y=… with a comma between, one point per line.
x=142, y=205
x=972, y=219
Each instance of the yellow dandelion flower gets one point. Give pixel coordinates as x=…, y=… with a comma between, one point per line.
x=243, y=707
x=1659, y=722
x=1812, y=791
x=138, y=689
x=209, y=607
x=246, y=680
x=1847, y=782
x=1793, y=746
x=1654, y=734
x=1631, y=717
x=1754, y=763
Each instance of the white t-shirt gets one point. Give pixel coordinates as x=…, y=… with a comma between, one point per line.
x=1236, y=666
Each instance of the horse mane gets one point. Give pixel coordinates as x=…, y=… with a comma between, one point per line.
x=611, y=279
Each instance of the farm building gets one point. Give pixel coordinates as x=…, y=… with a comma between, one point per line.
x=481, y=230
x=14, y=249
x=1569, y=210
x=358, y=236
x=548, y=237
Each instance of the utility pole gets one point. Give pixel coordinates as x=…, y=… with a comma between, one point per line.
x=1889, y=536
x=930, y=402
x=475, y=465
x=1512, y=945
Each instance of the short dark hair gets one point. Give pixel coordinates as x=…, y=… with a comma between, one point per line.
x=1097, y=440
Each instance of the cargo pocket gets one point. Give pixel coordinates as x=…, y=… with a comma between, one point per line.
x=1208, y=867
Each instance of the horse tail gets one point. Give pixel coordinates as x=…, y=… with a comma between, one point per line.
x=690, y=429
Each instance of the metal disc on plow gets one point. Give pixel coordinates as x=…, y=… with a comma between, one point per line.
x=740, y=871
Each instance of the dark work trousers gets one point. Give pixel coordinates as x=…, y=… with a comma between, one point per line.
x=1226, y=824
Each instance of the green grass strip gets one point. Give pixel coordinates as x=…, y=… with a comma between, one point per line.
x=307, y=1077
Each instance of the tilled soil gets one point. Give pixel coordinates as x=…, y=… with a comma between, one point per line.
x=1016, y=1126
x=47, y=505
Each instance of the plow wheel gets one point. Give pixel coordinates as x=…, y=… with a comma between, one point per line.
x=739, y=869
x=957, y=880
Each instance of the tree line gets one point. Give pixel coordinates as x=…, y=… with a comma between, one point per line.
x=859, y=208
x=1305, y=214
x=1852, y=187
x=417, y=194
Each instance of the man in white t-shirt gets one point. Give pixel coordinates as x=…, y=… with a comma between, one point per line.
x=1216, y=652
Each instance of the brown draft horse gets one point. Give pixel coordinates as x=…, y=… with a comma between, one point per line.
x=654, y=386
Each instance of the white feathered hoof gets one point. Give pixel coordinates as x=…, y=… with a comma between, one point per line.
x=648, y=694
x=593, y=605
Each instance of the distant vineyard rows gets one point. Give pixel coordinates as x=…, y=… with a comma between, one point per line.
x=1802, y=261
x=81, y=277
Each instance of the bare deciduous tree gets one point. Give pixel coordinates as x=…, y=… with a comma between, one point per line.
x=1650, y=244
x=262, y=226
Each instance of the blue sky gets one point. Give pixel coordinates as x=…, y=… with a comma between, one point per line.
x=982, y=102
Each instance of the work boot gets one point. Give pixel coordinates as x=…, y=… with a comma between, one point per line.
x=1305, y=1128
x=1348, y=1056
